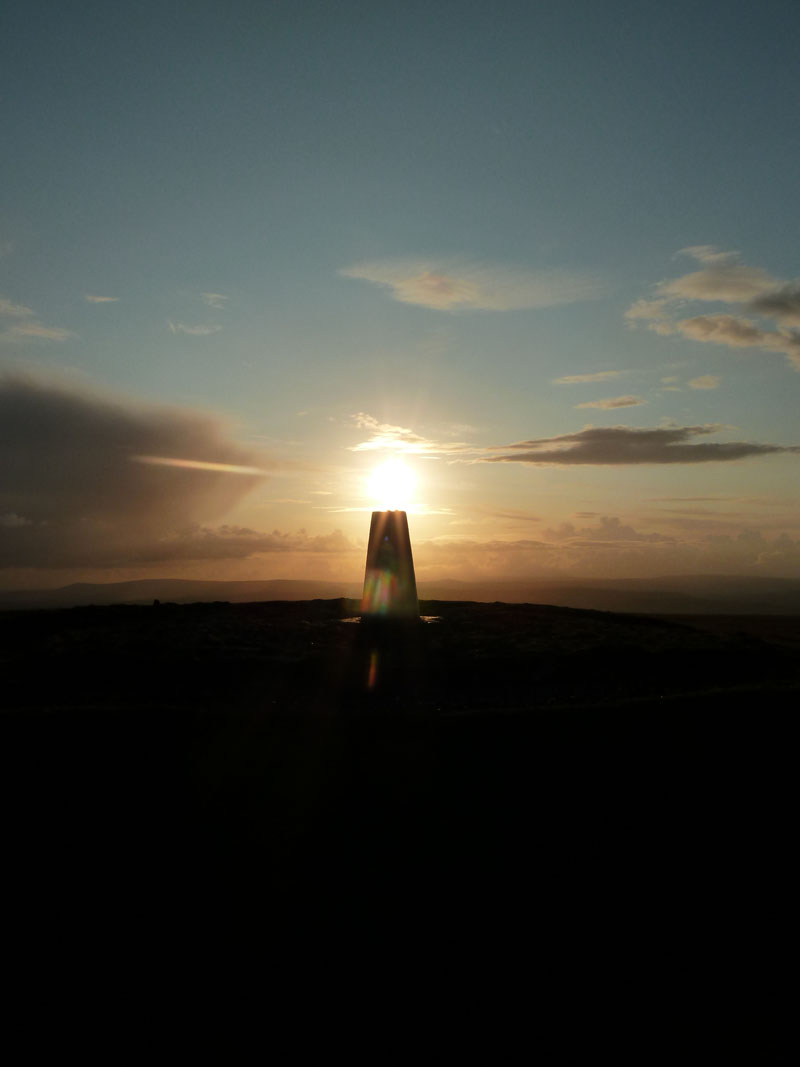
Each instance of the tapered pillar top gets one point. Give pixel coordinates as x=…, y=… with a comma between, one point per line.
x=390, y=588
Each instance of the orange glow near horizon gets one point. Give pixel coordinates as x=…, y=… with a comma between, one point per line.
x=392, y=485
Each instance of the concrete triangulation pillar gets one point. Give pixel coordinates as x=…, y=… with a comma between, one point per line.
x=390, y=589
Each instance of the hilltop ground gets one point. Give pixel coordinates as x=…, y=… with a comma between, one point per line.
x=280, y=742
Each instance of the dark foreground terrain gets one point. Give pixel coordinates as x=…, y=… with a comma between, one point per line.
x=499, y=752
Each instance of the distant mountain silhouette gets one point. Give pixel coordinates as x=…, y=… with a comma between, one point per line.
x=671, y=595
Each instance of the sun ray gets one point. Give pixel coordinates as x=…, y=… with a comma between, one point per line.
x=196, y=465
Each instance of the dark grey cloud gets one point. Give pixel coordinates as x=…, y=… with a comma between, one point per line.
x=617, y=445
x=781, y=304
x=69, y=480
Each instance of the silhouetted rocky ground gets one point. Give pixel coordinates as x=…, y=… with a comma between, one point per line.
x=279, y=749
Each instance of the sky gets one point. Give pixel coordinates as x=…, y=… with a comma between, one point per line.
x=544, y=254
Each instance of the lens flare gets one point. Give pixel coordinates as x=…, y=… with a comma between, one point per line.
x=392, y=485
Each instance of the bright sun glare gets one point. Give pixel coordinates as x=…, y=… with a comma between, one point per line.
x=392, y=485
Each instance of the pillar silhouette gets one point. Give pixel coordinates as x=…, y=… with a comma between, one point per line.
x=390, y=588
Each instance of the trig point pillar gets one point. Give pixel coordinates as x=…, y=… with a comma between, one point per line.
x=390, y=588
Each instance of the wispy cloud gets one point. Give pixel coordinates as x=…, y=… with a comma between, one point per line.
x=618, y=445
x=14, y=311
x=705, y=381
x=614, y=402
x=25, y=330
x=453, y=285
x=92, y=298
x=199, y=330
x=214, y=300
x=384, y=436
x=23, y=324
x=580, y=379
x=669, y=384
x=724, y=278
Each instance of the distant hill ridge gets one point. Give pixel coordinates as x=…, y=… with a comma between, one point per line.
x=681, y=594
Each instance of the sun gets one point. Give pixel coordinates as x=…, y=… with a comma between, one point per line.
x=392, y=485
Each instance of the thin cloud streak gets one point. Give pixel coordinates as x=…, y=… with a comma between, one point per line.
x=614, y=402
x=580, y=379
x=23, y=331
x=91, y=298
x=192, y=331
x=454, y=285
x=14, y=311
x=705, y=381
x=214, y=300
x=25, y=324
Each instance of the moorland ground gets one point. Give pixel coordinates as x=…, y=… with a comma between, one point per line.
x=280, y=746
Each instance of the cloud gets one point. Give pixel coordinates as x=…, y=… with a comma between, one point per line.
x=93, y=299
x=66, y=469
x=736, y=332
x=14, y=311
x=385, y=436
x=37, y=329
x=617, y=445
x=610, y=528
x=611, y=549
x=614, y=402
x=12, y=520
x=705, y=381
x=668, y=384
x=25, y=324
x=214, y=300
x=725, y=279
x=579, y=379
x=781, y=304
x=453, y=285
x=238, y=542
x=650, y=310
x=192, y=331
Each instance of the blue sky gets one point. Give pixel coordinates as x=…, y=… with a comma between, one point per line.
x=428, y=215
